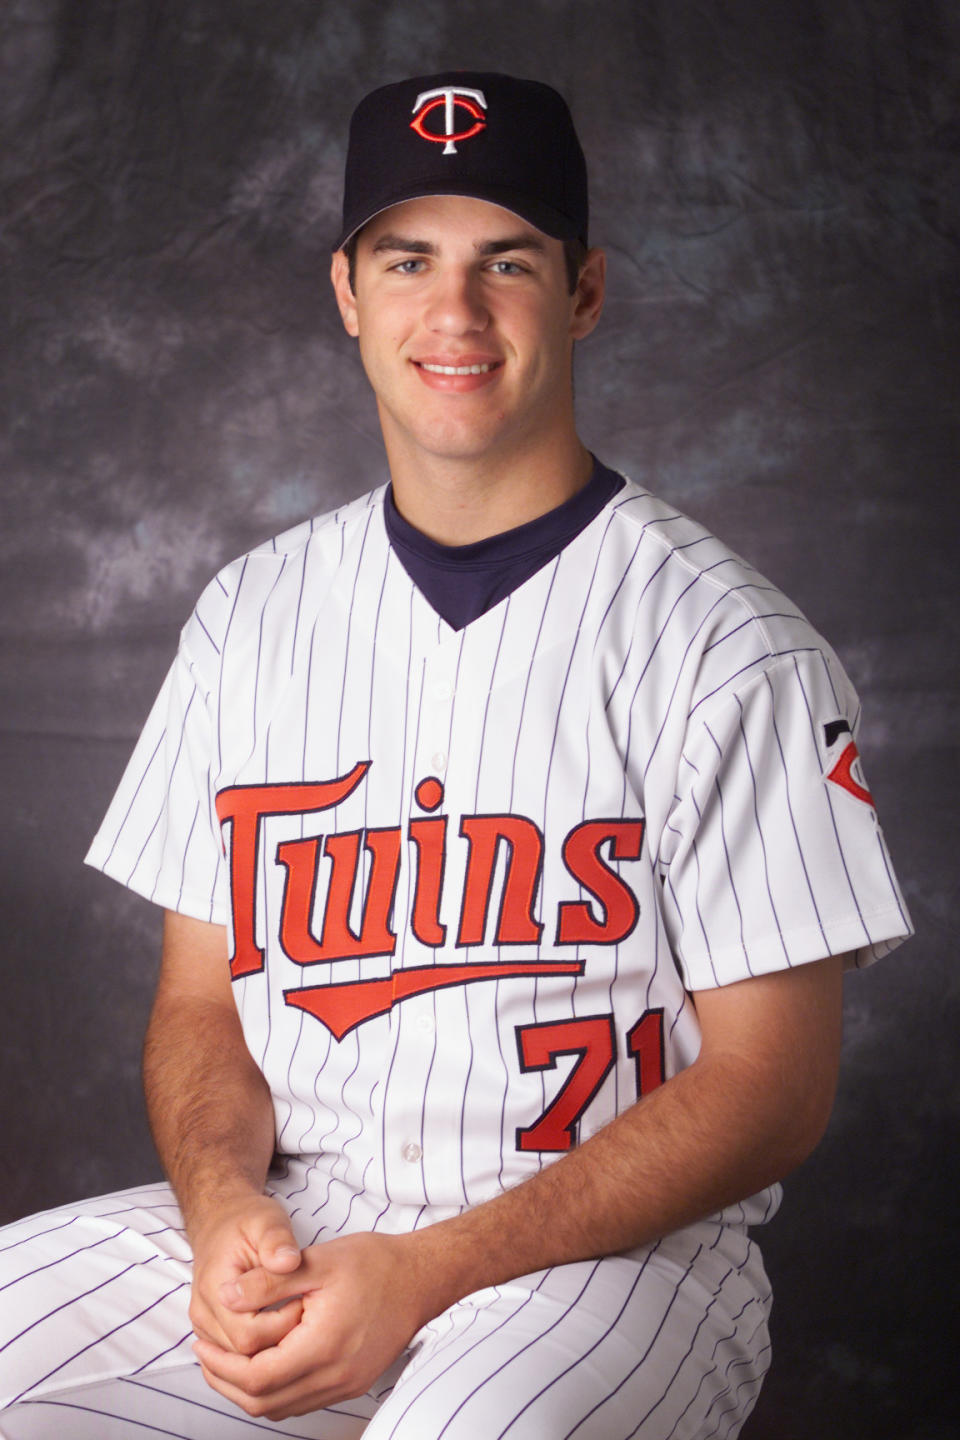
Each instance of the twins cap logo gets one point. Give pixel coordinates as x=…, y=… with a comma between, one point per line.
x=451, y=98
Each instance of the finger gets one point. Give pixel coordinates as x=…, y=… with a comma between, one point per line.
x=265, y=1385
x=266, y=1407
x=292, y=1400
x=259, y=1288
x=205, y=1322
x=246, y=1333
x=299, y=1359
x=257, y=1406
x=249, y=1334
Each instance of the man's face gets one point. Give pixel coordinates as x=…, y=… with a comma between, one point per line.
x=466, y=328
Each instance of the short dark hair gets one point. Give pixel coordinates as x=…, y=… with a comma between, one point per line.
x=574, y=254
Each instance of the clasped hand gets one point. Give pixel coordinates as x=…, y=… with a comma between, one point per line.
x=282, y=1332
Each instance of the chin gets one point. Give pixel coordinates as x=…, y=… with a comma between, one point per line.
x=453, y=442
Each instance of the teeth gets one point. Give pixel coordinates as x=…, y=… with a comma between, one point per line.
x=456, y=369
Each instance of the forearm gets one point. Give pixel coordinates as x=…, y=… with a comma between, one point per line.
x=209, y=1105
x=663, y=1164
x=742, y=1116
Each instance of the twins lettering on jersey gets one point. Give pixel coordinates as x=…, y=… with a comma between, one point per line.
x=342, y=1006
x=606, y=918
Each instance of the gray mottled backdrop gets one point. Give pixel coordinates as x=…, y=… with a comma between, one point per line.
x=777, y=186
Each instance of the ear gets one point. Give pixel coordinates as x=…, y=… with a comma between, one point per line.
x=589, y=294
x=346, y=300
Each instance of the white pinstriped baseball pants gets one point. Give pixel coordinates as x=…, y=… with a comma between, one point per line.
x=95, y=1343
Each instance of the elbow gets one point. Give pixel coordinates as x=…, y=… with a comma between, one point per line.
x=797, y=1148
x=801, y=1127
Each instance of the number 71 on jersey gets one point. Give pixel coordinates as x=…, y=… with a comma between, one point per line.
x=592, y=1039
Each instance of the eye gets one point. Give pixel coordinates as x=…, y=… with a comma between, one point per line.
x=407, y=267
x=506, y=267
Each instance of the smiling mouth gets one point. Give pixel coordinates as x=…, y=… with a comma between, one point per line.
x=456, y=369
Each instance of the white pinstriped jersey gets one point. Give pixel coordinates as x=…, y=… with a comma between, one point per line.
x=470, y=876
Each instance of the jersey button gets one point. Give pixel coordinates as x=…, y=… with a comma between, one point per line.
x=442, y=690
x=425, y=1024
x=438, y=762
x=411, y=1152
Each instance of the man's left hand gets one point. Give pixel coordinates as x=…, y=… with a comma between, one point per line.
x=361, y=1304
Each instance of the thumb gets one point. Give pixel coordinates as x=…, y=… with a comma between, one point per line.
x=278, y=1250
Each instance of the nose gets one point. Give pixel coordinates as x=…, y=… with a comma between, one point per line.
x=456, y=305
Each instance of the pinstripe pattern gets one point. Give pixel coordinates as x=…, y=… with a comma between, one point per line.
x=535, y=1357
x=644, y=676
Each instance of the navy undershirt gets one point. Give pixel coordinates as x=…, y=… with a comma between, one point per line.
x=462, y=582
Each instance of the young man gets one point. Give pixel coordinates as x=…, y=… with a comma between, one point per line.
x=511, y=833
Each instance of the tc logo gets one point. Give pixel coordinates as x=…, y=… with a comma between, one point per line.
x=846, y=771
x=451, y=99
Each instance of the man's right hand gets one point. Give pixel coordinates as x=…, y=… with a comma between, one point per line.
x=244, y=1234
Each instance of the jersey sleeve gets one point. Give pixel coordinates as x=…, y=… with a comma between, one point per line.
x=160, y=836
x=773, y=855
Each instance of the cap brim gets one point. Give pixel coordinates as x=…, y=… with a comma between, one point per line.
x=535, y=212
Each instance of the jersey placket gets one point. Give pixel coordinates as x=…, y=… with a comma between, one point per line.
x=413, y=1018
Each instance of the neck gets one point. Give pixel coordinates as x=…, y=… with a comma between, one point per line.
x=458, y=501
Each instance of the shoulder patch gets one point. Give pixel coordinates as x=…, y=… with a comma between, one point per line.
x=844, y=767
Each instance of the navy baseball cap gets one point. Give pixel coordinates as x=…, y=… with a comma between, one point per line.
x=474, y=133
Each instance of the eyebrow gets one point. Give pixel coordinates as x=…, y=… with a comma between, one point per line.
x=485, y=248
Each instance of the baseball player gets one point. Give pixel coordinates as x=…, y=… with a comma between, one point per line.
x=513, y=837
